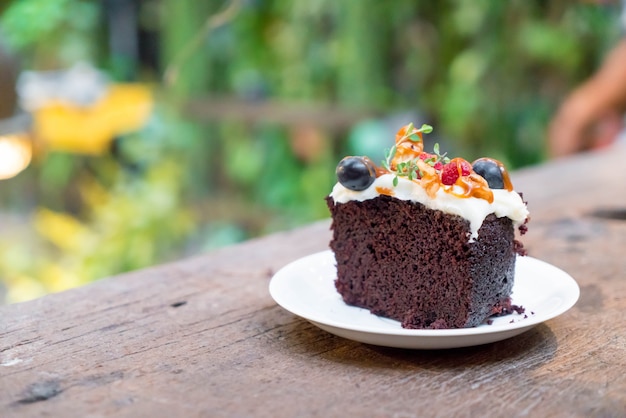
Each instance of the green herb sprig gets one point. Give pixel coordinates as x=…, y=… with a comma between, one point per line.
x=438, y=156
x=412, y=133
x=388, y=157
x=410, y=169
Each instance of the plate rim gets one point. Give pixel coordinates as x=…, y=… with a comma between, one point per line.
x=570, y=284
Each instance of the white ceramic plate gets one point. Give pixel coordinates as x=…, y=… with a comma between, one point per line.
x=306, y=288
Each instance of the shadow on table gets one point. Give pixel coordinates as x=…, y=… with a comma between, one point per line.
x=538, y=343
x=532, y=348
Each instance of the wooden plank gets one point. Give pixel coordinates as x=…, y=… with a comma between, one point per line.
x=202, y=337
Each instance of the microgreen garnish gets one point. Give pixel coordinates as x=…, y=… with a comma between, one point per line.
x=425, y=129
x=413, y=134
x=388, y=157
x=410, y=168
x=440, y=157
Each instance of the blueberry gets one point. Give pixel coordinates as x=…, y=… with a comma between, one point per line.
x=356, y=173
x=491, y=171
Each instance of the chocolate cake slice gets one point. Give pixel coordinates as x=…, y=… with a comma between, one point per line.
x=404, y=261
x=425, y=239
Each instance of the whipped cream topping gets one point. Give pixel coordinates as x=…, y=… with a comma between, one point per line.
x=475, y=210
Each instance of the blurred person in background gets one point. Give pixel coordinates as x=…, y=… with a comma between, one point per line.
x=592, y=116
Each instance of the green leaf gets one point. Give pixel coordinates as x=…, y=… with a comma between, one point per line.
x=388, y=157
x=426, y=129
x=395, y=181
x=440, y=157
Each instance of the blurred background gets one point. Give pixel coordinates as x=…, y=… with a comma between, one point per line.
x=136, y=132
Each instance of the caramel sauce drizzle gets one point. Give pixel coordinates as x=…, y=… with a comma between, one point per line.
x=508, y=184
x=473, y=186
x=385, y=191
x=430, y=180
x=380, y=171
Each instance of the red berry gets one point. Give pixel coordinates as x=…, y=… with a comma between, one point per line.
x=427, y=156
x=449, y=174
x=454, y=169
x=438, y=165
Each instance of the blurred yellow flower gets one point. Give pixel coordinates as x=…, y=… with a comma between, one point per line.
x=64, y=126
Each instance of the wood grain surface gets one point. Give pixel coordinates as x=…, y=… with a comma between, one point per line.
x=202, y=337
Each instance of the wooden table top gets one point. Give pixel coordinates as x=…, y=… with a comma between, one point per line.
x=202, y=337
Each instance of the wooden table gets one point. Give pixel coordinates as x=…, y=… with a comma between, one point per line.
x=202, y=337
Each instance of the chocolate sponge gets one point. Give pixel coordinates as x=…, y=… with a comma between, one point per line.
x=404, y=261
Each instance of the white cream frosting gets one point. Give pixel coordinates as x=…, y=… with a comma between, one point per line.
x=475, y=210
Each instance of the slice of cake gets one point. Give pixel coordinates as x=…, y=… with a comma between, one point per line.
x=423, y=239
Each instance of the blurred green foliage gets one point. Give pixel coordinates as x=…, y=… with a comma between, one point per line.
x=486, y=74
